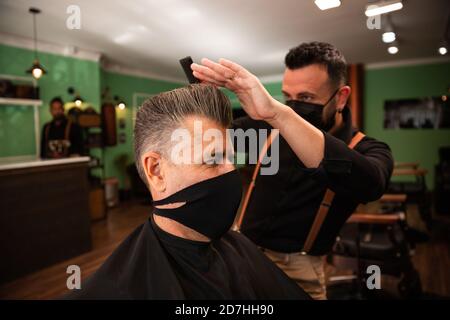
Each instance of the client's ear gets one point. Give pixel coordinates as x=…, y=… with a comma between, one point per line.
x=151, y=161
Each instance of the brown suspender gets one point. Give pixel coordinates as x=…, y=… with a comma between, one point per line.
x=325, y=206
x=356, y=139
x=325, y=203
x=318, y=220
x=272, y=136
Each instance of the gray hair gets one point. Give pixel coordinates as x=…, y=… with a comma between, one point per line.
x=165, y=112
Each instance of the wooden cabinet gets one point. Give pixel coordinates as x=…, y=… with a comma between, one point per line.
x=44, y=214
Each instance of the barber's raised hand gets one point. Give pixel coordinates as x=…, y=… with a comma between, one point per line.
x=255, y=99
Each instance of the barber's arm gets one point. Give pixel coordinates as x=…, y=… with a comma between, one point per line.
x=362, y=174
x=305, y=140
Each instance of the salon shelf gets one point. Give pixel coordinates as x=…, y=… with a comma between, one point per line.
x=20, y=102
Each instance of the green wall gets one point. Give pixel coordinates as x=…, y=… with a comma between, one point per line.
x=125, y=86
x=16, y=123
x=63, y=73
x=416, y=81
x=274, y=88
x=16, y=128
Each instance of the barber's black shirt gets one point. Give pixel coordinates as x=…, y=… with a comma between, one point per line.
x=283, y=206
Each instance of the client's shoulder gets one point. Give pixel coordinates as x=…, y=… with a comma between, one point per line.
x=105, y=282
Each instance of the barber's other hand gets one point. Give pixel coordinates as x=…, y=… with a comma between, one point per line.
x=254, y=98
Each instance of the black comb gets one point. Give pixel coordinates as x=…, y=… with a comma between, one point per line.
x=186, y=65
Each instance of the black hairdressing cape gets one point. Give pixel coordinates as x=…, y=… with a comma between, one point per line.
x=153, y=264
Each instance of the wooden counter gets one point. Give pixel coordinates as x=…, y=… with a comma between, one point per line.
x=44, y=214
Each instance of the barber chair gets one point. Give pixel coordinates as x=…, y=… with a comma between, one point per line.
x=442, y=182
x=397, y=203
x=373, y=239
x=416, y=190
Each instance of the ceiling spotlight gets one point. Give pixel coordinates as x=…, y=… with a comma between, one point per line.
x=388, y=36
x=382, y=7
x=443, y=48
x=443, y=45
x=393, y=49
x=327, y=4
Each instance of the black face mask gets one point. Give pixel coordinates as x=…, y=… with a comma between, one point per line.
x=312, y=112
x=210, y=207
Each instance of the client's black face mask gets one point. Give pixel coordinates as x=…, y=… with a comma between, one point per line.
x=312, y=112
x=210, y=207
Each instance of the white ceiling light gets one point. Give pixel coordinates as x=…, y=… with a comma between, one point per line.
x=327, y=4
x=393, y=49
x=382, y=7
x=443, y=46
x=388, y=36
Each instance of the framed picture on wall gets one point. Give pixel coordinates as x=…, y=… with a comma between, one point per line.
x=423, y=113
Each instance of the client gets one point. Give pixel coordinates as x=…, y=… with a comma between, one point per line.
x=186, y=249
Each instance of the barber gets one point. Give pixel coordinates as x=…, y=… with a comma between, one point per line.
x=315, y=158
x=60, y=137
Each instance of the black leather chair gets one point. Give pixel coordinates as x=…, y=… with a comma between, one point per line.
x=375, y=239
x=416, y=190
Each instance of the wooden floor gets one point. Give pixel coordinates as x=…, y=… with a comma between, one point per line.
x=107, y=234
x=432, y=259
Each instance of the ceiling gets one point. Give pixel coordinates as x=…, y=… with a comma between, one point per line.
x=152, y=35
